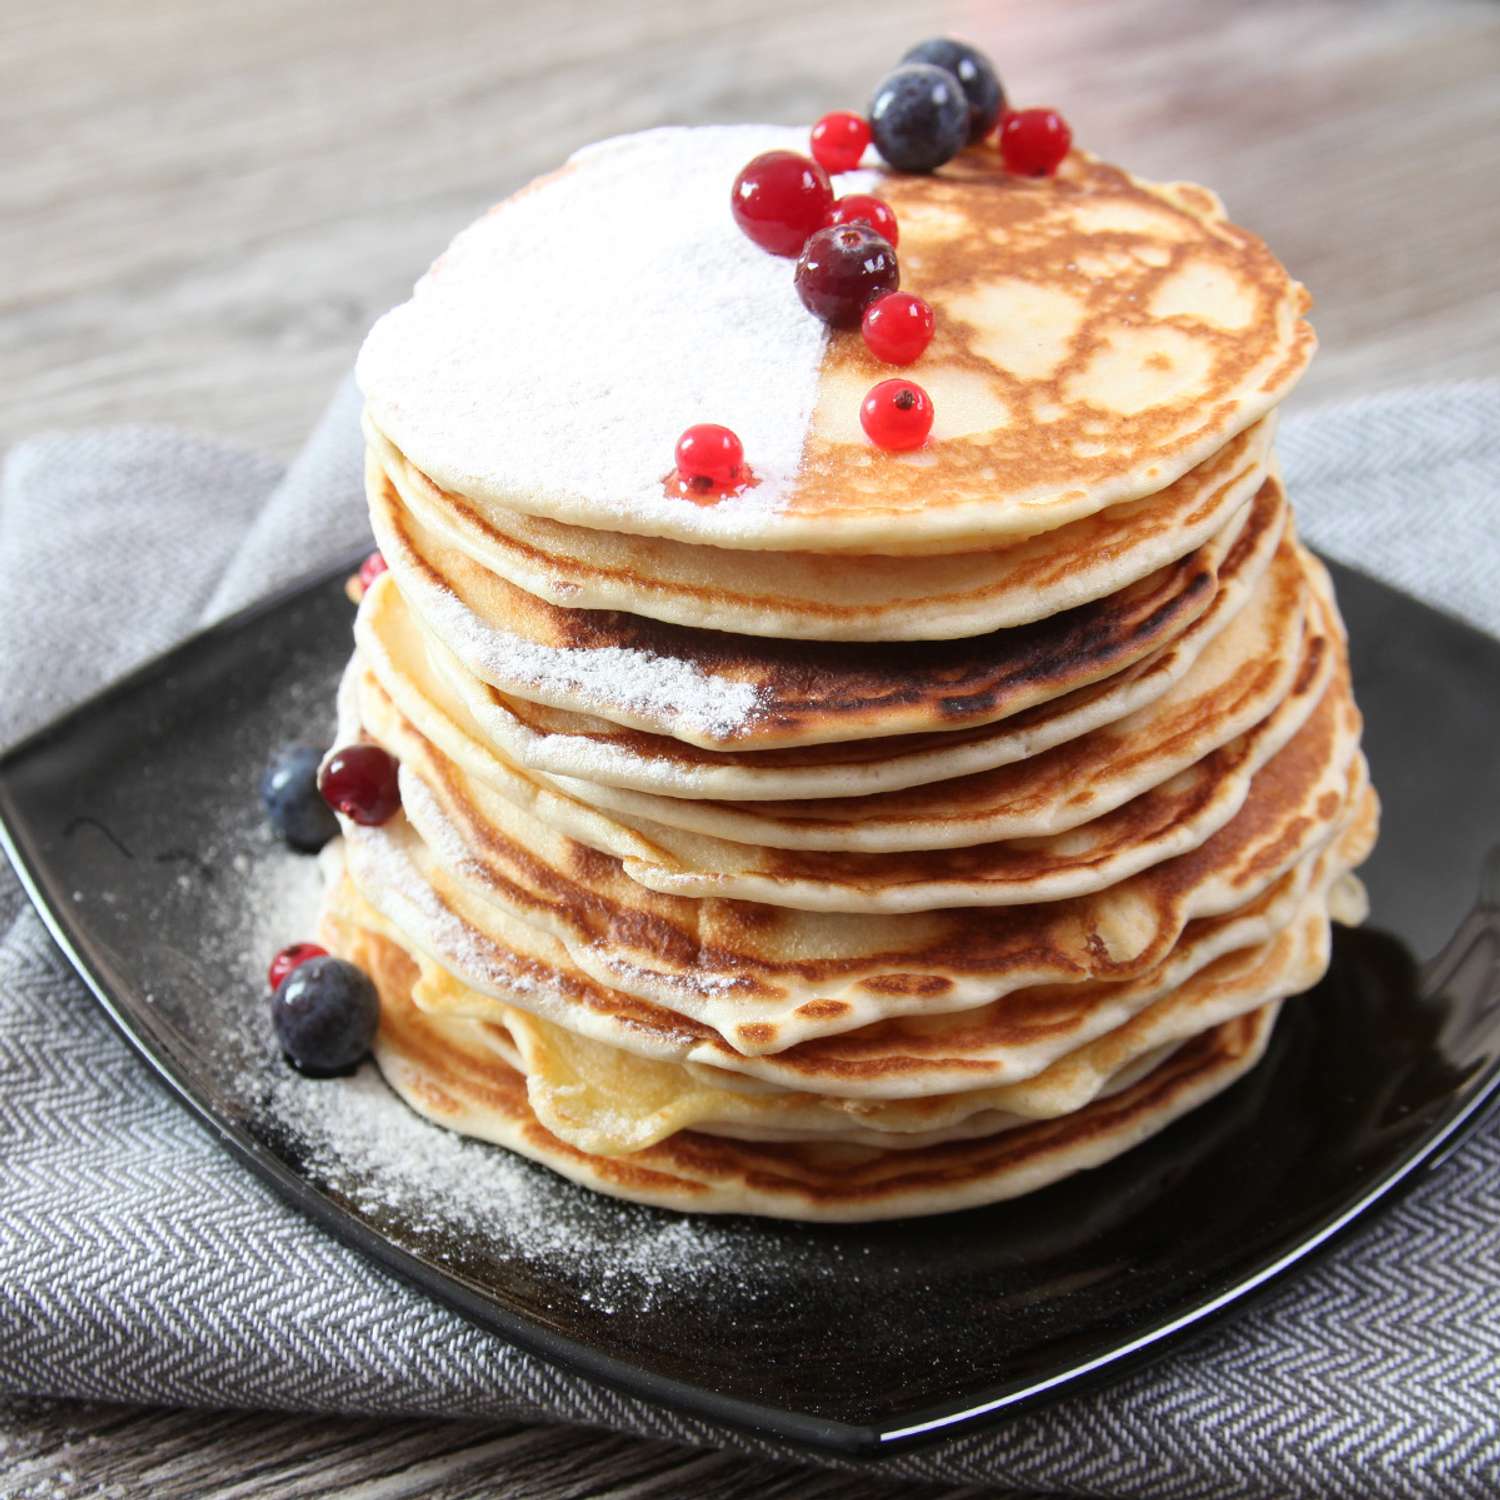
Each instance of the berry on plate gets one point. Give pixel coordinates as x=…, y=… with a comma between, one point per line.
x=361, y=782
x=291, y=957
x=325, y=1014
x=289, y=793
x=371, y=569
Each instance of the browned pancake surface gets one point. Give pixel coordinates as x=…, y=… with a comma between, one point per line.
x=796, y=693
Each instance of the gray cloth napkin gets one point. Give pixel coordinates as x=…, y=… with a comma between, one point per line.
x=138, y=1262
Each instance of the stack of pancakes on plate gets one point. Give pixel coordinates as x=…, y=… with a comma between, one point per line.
x=900, y=832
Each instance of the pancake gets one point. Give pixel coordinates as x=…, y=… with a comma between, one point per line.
x=1025, y=1034
x=1097, y=337
x=722, y=691
x=474, y=1090
x=1243, y=674
x=896, y=832
x=559, y=743
x=611, y=1103
x=1287, y=964
x=550, y=925
x=1166, y=820
x=833, y=597
x=1034, y=1054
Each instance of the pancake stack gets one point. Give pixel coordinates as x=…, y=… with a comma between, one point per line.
x=899, y=832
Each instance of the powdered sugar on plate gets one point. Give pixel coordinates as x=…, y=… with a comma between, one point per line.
x=436, y=1193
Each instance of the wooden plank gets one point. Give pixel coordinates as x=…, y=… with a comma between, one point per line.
x=206, y=203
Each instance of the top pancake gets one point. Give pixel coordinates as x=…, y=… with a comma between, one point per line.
x=1097, y=337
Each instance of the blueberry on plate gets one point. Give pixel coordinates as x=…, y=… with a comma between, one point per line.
x=325, y=1013
x=919, y=116
x=975, y=73
x=289, y=790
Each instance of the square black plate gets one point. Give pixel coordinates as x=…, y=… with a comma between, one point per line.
x=134, y=824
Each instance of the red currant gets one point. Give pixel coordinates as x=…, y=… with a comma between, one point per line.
x=360, y=782
x=839, y=140
x=1033, y=142
x=710, y=455
x=843, y=270
x=371, y=569
x=289, y=958
x=897, y=415
x=779, y=199
x=897, y=327
x=861, y=208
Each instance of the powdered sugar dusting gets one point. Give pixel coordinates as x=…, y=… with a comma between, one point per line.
x=597, y=759
x=564, y=341
x=442, y=1194
x=393, y=1165
x=620, y=683
x=433, y=1191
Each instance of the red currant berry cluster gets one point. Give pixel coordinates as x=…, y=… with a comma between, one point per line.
x=943, y=96
x=846, y=274
x=782, y=201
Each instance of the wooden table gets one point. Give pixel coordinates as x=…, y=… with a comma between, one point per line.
x=205, y=202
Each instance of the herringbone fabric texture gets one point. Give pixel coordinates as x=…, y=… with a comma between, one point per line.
x=138, y=1262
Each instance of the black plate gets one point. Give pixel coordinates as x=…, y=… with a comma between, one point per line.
x=133, y=822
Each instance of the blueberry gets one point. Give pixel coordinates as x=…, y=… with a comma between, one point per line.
x=325, y=1013
x=919, y=115
x=289, y=790
x=975, y=73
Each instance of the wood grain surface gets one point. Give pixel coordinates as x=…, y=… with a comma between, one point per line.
x=203, y=204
